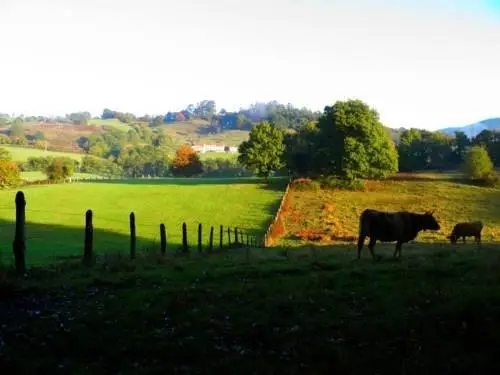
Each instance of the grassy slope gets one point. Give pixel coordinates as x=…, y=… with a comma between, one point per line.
x=23, y=153
x=117, y=124
x=218, y=155
x=435, y=312
x=55, y=214
x=198, y=132
x=338, y=211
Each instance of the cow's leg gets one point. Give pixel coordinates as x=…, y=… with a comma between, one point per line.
x=397, y=250
x=361, y=242
x=478, y=238
x=463, y=239
x=371, y=245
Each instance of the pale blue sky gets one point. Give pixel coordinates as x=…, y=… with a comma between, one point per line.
x=423, y=63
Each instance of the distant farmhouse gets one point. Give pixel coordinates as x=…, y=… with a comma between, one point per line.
x=214, y=148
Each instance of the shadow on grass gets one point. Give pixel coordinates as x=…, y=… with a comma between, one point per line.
x=47, y=244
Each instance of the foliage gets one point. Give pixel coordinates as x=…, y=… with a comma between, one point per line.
x=100, y=167
x=4, y=140
x=186, y=162
x=263, y=153
x=59, y=169
x=353, y=143
x=17, y=127
x=9, y=173
x=5, y=154
x=223, y=167
x=477, y=163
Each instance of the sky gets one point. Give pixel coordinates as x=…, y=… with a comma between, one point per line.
x=423, y=63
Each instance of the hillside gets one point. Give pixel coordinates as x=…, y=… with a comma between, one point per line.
x=23, y=153
x=474, y=129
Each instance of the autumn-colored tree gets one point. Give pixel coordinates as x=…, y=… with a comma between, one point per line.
x=187, y=162
x=9, y=174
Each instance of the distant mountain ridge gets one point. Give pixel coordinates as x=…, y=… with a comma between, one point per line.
x=472, y=130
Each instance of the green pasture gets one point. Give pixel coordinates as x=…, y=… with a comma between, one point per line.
x=55, y=213
x=23, y=153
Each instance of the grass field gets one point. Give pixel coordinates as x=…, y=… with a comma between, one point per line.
x=23, y=153
x=117, y=124
x=218, y=155
x=334, y=214
x=436, y=311
x=200, y=131
x=40, y=176
x=55, y=214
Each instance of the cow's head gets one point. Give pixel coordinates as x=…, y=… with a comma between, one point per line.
x=429, y=222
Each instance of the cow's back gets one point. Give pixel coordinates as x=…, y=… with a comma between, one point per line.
x=384, y=226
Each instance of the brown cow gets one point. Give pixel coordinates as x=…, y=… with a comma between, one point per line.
x=471, y=229
x=392, y=226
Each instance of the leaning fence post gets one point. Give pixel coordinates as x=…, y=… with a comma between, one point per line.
x=211, y=244
x=184, y=238
x=89, y=237
x=132, y=235
x=229, y=236
x=236, y=235
x=19, y=244
x=199, y=238
x=221, y=237
x=163, y=239
x=248, y=240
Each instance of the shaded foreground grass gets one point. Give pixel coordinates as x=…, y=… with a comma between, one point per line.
x=55, y=214
x=306, y=311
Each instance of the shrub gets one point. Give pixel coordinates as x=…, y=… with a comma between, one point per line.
x=477, y=163
x=344, y=184
x=305, y=184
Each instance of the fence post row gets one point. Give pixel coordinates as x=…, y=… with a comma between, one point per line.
x=132, y=235
x=221, y=235
x=19, y=244
x=89, y=237
x=211, y=243
x=163, y=239
x=200, y=246
x=184, y=238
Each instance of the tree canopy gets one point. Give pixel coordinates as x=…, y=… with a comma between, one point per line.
x=477, y=163
x=263, y=153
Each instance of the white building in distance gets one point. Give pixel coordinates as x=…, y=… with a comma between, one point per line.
x=214, y=148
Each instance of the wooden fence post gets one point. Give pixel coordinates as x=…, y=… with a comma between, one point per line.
x=132, y=235
x=236, y=236
x=184, y=238
x=163, y=239
x=199, y=238
x=19, y=244
x=211, y=245
x=229, y=236
x=248, y=240
x=89, y=238
x=221, y=237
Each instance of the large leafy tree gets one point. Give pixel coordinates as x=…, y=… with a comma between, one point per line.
x=477, y=163
x=263, y=153
x=353, y=143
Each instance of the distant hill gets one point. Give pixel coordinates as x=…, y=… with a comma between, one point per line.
x=474, y=129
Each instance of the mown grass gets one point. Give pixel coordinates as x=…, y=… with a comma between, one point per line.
x=23, y=153
x=218, y=155
x=335, y=213
x=306, y=311
x=55, y=214
x=40, y=176
x=114, y=123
